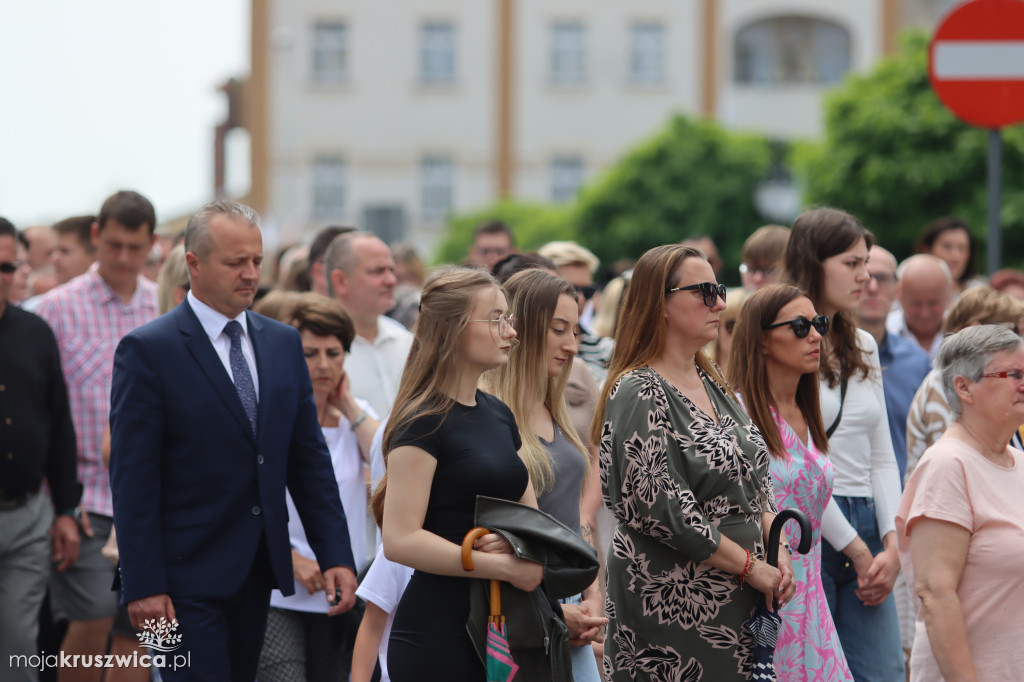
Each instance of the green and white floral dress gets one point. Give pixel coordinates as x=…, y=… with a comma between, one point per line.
x=675, y=482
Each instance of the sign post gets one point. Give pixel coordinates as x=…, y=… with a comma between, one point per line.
x=976, y=67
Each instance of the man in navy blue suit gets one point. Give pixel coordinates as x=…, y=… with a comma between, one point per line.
x=212, y=413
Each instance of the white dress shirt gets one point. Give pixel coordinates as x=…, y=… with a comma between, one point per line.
x=375, y=368
x=213, y=324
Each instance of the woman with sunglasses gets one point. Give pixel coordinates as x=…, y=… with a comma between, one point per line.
x=774, y=367
x=827, y=257
x=445, y=443
x=685, y=475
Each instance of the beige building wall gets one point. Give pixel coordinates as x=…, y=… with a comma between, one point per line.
x=381, y=125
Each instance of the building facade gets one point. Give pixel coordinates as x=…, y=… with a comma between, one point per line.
x=391, y=114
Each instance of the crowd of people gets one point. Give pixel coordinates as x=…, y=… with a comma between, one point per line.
x=280, y=459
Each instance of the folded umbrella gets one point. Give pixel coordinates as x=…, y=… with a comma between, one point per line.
x=765, y=624
x=500, y=666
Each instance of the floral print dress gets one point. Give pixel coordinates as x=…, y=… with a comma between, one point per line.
x=808, y=647
x=675, y=482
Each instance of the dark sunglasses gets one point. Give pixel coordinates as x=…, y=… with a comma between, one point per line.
x=802, y=326
x=711, y=292
x=587, y=292
x=9, y=267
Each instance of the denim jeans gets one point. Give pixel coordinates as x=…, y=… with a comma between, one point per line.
x=870, y=635
x=584, y=664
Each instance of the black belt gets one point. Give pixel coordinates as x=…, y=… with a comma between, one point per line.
x=9, y=503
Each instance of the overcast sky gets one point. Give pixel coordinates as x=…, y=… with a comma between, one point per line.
x=103, y=95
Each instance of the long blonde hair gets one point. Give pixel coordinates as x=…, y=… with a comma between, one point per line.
x=435, y=359
x=523, y=383
x=640, y=334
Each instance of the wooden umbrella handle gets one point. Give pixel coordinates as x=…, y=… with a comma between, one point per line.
x=467, y=546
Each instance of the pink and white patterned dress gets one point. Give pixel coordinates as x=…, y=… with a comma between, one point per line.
x=808, y=648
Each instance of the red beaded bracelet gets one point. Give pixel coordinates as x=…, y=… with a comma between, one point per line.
x=746, y=568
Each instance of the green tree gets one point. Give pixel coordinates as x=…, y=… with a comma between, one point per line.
x=895, y=157
x=691, y=178
x=534, y=225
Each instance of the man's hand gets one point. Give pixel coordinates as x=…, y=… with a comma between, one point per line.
x=85, y=524
x=344, y=578
x=150, y=608
x=64, y=542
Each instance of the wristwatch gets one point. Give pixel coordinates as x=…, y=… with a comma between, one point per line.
x=74, y=512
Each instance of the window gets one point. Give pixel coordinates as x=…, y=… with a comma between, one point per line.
x=791, y=50
x=437, y=53
x=566, y=177
x=568, y=53
x=330, y=52
x=328, y=187
x=647, y=54
x=437, y=187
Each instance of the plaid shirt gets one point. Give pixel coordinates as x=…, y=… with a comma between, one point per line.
x=89, y=320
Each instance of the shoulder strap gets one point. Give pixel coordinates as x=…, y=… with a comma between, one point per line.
x=842, y=400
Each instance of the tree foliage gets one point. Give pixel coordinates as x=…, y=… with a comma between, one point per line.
x=691, y=178
x=534, y=225
x=895, y=157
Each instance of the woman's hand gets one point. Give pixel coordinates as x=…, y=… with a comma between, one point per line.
x=307, y=572
x=765, y=579
x=584, y=627
x=877, y=582
x=341, y=398
x=787, y=587
x=523, y=574
x=492, y=543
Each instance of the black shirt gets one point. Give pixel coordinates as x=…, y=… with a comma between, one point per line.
x=37, y=438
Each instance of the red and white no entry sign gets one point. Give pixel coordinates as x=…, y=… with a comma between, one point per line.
x=976, y=62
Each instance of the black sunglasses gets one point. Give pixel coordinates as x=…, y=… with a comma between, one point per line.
x=587, y=292
x=9, y=267
x=711, y=291
x=802, y=326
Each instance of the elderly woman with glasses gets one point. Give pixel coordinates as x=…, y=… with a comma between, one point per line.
x=685, y=475
x=929, y=415
x=961, y=523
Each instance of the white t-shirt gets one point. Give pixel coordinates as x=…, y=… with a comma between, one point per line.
x=375, y=369
x=383, y=585
x=349, y=469
x=860, y=449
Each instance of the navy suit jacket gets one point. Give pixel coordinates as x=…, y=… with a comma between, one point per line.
x=193, y=488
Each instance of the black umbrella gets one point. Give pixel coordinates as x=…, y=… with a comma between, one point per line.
x=765, y=624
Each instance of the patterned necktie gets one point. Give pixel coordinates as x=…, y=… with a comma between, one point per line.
x=240, y=372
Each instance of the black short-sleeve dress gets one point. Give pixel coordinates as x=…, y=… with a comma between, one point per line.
x=476, y=450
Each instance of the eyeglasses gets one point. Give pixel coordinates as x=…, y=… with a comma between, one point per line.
x=503, y=323
x=802, y=326
x=9, y=267
x=767, y=273
x=882, y=278
x=1017, y=375
x=711, y=291
x=587, y=291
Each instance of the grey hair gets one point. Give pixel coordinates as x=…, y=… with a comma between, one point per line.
x=340, y=256
x=197, y=232
x=967, y=353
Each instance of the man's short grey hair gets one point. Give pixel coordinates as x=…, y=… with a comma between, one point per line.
x=340, y=256
x=197, y=232
x=967, y=353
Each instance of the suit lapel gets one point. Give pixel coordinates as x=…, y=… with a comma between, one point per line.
x=198, y=344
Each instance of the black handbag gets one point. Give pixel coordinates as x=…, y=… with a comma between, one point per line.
x=537, y=634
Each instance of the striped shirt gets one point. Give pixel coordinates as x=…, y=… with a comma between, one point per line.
x=89, y=320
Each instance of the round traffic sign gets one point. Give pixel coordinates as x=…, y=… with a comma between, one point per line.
x=976, y=62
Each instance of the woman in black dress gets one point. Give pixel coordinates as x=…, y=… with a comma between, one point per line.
x=445, y=443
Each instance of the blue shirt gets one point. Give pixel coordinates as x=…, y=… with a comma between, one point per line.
x=904, y=367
